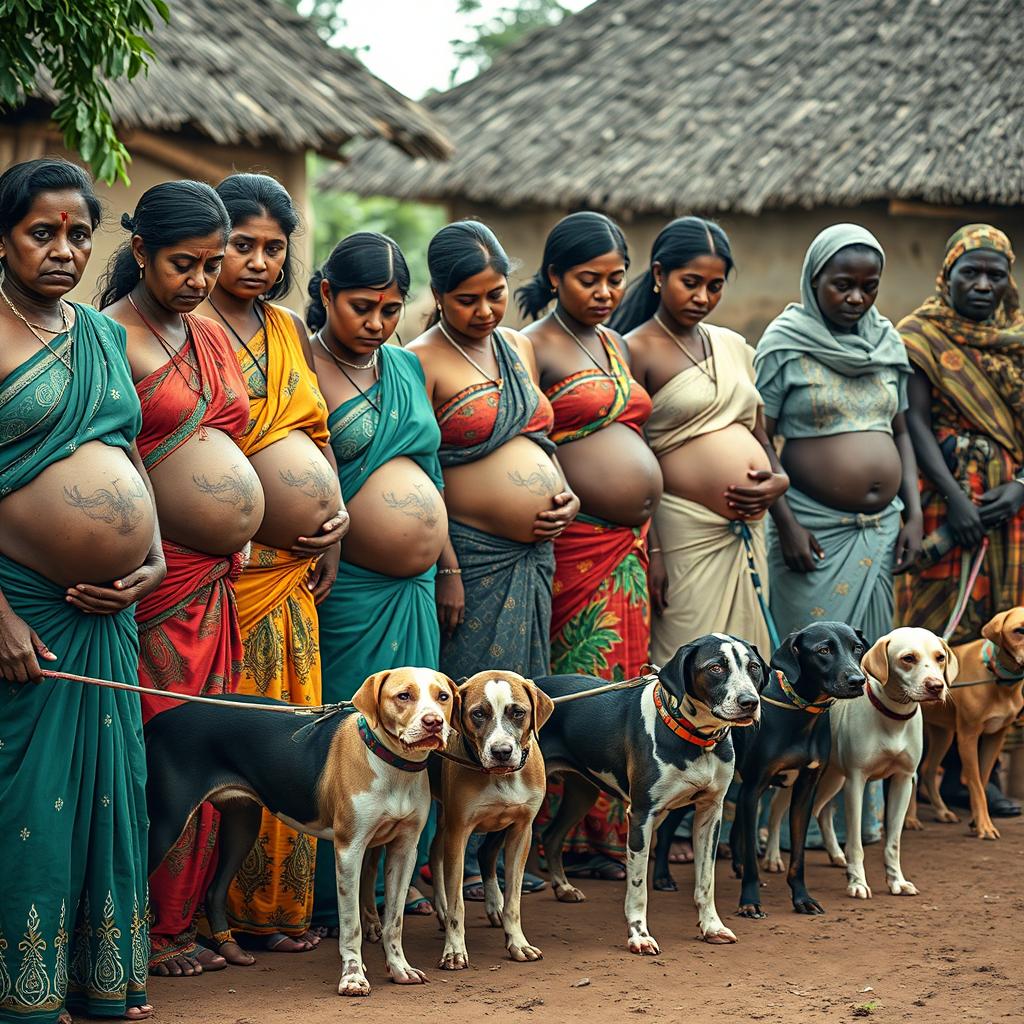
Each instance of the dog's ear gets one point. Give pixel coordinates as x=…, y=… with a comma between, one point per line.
x=876, y=661
x=541, y=705
x=993, y=629
x=765, y=667
x=952, y=668
x=366, y=700
x=787, y=658
x=679, y=668
x=861, y=638
x=455, y=720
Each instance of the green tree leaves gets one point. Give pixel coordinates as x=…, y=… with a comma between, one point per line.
x=80, y=45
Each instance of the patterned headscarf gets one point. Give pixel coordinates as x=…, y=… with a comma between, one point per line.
x=977, y=368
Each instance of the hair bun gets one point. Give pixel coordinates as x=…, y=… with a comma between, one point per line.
x=313, y=288
x=127, y=222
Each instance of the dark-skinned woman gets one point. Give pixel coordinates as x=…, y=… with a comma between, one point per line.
x=381, y=613
x=295, y=552
x=79, y=545
x=833, y=374
x=600, y=612
x=966, y=344
x=208, y=498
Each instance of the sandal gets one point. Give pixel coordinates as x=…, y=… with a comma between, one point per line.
x=598, y=866
x=531, y=883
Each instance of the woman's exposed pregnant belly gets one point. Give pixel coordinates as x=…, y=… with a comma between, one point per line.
x=614, y=474
x=86, y=519
x=300, y=490
x=398, y=524
x=703, y=468
x=208, y=496
x=503, y=493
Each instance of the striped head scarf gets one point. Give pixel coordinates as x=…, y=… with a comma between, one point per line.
x=977, y=368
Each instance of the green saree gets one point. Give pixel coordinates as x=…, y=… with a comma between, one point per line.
x=73, y=895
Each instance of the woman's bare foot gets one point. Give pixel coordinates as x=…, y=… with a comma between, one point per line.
x=281, y=943
x=234, y=954
x=190, y=963
x=323, y=931
x=138, y=1012
x=680, y=852
x=416, y=904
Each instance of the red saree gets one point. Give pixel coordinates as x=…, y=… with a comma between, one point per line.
x=188, y=627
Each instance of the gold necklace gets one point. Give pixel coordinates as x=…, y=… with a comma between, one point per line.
x=496, y=381
x=583, y=348
x=355, y=366
x=705, y=342
x=65, y=329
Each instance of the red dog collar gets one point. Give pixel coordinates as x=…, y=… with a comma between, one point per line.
x=386, y=754
x=887, y=711
x=683, y=727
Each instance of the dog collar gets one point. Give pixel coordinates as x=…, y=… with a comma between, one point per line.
x=796, y=702
x=385, y=753
x=990, y=659
x=683, y=727
x=473, y=762
x=888, y=712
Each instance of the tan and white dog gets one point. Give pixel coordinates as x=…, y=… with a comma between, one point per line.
x=881, y=736
x=491, y=780
x=980, y=713
x=356, y=780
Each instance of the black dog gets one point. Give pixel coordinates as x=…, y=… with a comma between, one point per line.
x=661, y=746
x=811, y=669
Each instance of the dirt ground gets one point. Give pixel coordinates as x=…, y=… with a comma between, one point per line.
x=954, y=953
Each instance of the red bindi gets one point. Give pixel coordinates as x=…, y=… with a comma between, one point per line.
x=64, y=216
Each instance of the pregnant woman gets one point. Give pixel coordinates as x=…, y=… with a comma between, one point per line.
x=78, y=547
x=505, y=493
x=208, y=499
x=380, y=613
x=294, y=556
x=707, y=430
x=600, y=613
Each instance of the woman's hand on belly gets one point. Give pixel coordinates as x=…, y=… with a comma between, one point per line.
x=330, y=536
x=548, y=525
x=122, y=593
x=751, y=501
x=20, y=648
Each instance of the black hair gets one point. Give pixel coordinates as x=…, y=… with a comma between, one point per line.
x=366, y=259
x=21, y=183
x=460, y=251
x=165, y=214
x=252, y=195
x=678, y=242
x=573, y=240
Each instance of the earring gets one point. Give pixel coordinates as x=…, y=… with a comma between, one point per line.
x=657, y=288
x=280, y=277
x=142, y=270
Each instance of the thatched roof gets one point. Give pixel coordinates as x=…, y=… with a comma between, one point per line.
x=255, y=71
x=667, y=106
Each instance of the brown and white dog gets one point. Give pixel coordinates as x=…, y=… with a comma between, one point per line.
x=881, y=736
x=357, y=780
x=977, y=714
x=496, y=786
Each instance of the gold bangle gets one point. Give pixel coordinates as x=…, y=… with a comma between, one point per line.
x=449, y=572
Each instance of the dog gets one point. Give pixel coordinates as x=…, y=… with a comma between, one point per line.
x=355, y=778
x=812, y=669
x=492, y=780
x=976, y=713
x=880, y=736
x=656, y=747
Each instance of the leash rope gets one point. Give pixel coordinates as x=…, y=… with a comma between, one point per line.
x=743, y=529
x=967, y=581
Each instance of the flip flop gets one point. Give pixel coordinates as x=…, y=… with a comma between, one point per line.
x=414, y=907
x=600, y=867
x=531, y=883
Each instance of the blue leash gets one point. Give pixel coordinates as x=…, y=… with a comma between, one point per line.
x=743, y=530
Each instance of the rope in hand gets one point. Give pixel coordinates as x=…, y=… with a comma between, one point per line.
x=967, y=581
x=743, y=529
x=290, y=709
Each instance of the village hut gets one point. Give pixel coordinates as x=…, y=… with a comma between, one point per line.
x=236, y=85
x=777, y=118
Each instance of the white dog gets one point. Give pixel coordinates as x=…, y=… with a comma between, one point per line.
x=879, y=736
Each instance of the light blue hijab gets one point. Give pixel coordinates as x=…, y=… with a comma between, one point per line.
x=801, y=328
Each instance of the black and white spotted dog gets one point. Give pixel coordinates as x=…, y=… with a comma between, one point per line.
x=658, y=747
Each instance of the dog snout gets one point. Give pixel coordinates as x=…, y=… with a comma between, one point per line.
x=748, y=702
x=934, y=687
x=432, y=721
x=502, y=752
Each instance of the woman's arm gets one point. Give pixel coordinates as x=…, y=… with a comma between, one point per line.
x=768, y=485
x=96, y=600
x=20, y=647
x=800, y=548
x=657, y=575
x=448, y=590
x=908, y=543
x=549, y=524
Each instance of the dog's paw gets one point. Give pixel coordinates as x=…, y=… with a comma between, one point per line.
x=719, y=935
x=751, y=910
x=452, y=960
x=406, y=974
x=858, y=890
x=372, y=929
x=569, y=894
x=494, y=916
x=837, y=860
x=665, y=884
x=773, y=865
x=985, y=831
x=913, y=824
x=946, y=816
x=523, y=953
x=901, y=887
x=807, y=905
x=353, y=985
x=642, y=942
